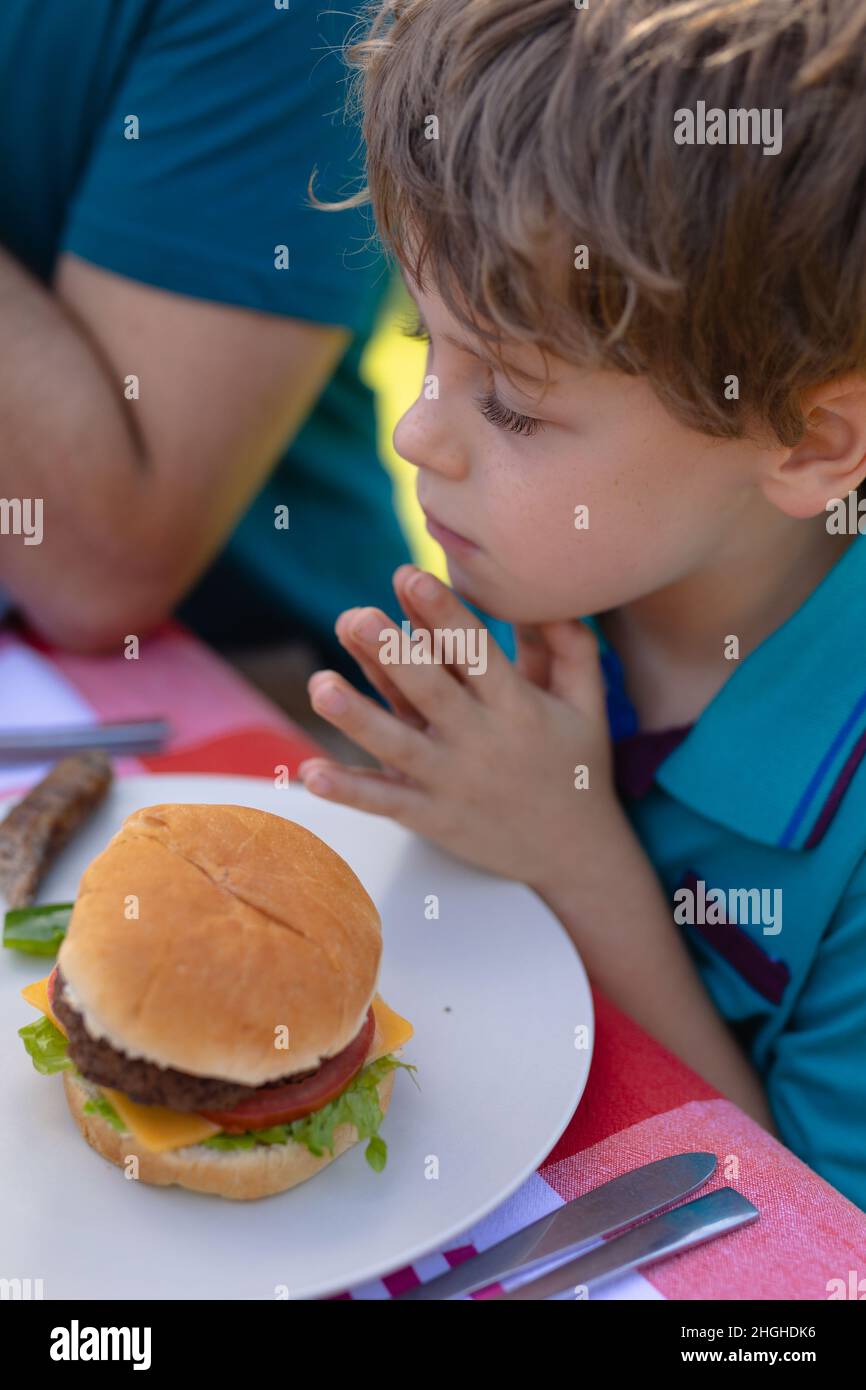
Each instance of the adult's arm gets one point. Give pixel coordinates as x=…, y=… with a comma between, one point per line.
x=166, y=270
x=137, y=494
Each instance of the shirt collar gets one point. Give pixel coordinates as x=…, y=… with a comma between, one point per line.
x=773, y=753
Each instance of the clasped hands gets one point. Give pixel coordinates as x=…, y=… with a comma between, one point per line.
x=486, y=764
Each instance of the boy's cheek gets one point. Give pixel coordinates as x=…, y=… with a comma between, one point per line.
x=557, y=556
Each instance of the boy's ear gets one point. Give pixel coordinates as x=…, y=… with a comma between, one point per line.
x=830, y=459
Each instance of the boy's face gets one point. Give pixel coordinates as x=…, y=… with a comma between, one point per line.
x=664, y=501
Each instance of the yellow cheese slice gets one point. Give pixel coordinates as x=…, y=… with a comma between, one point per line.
x=37, y=995
x=395, y=1030
x=157, y=1127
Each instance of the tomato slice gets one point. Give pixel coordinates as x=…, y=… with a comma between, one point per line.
x=277, y=1105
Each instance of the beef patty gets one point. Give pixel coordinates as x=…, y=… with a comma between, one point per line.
x=105, y=1065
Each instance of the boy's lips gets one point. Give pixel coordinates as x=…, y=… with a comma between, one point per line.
x=448, y=539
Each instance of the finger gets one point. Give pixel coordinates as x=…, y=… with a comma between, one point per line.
x=365, y=789
x=375, y=673
x=533, y=655
x=575, y=673
x=426, y=686
x=364, y=721
x=403, y=580
x=474, y=654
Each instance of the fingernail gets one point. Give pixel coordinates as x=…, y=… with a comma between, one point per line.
x=424, y=587
x=344, y=619
x=318, y=782
x=367, y=628
x=330, y=698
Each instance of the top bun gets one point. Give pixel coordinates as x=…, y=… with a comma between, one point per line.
x=247, y=924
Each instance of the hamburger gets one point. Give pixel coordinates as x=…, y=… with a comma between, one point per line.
x=213, y=1011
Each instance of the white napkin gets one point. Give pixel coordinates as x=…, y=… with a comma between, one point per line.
x=33, y=694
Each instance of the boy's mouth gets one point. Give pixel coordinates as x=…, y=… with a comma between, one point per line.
x=448, y=539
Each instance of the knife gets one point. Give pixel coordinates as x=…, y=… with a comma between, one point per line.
x=116, y=736
x=686, y=1226
x=555, y=1237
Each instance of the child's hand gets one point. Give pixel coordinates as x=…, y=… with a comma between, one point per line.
x=482, y=764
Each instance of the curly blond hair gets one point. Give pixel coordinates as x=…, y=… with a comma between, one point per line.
x=553, y=128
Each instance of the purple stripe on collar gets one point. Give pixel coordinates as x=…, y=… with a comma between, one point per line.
x=763, y=972
x=837, y=791
x=637, y=757
x=790, y=834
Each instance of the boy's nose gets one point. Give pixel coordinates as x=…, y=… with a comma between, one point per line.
x=423, y=437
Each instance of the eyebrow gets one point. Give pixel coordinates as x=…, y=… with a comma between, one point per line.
x=479, y=353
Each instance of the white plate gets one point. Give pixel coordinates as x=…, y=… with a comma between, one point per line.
x=494, y=989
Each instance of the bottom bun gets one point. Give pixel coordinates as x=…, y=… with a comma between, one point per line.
x=243, y=1174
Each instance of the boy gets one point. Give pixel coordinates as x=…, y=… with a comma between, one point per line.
x=646, y=383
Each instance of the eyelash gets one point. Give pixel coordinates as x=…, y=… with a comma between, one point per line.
x=488, y=402
x=504, y=418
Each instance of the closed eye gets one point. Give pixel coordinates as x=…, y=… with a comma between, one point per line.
x=504, y=418
x=412, y=326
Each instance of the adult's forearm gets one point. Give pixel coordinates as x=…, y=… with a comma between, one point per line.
x=613, y=906
x=65, y=437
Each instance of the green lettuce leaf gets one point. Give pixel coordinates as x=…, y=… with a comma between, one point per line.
x=47, y=1046
x=357, y=1105
x=48, y=1051
x=101, y=1105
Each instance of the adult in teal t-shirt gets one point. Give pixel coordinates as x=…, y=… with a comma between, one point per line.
x=171, y=142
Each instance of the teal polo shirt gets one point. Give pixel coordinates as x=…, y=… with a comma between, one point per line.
x=767, y=791
x=236, y=101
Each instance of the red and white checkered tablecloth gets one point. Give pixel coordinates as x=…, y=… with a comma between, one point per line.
x=640, y=1102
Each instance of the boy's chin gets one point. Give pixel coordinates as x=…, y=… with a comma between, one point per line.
x=467, y=587
x=489, y=599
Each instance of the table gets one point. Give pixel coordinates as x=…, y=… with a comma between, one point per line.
x=640, y=1102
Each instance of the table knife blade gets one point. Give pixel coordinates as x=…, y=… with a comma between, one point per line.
x=553, y=1238
x=686, y=1226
